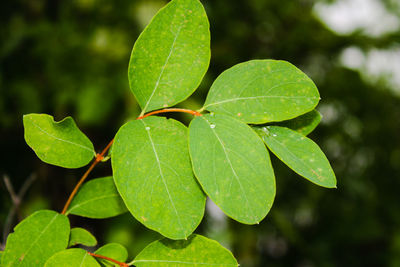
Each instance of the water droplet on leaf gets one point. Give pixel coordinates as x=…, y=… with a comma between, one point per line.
x=147, y=128
x=212, y=126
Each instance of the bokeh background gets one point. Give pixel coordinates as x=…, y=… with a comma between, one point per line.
x=70, y=58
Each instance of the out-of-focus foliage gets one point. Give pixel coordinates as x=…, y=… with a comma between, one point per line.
x=70, y=58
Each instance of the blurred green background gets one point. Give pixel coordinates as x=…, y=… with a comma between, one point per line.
x=70, y=58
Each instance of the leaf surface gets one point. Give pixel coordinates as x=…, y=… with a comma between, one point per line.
x=303, y=124
x=260, y=91
x=97, y=199
x=72, y=257
x=57, y=143
x=36, y=238
x=114, y=251
x=81, y=236
x=300, y=154
x=233, y=166
x=153, y=174
x=171, y=56
x=196, y=251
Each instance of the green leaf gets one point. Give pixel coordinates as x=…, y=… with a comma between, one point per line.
x=71, y=258
x=58, y=143
x=233, y=166
x=36, y=239
x=171, y=56
x=261, y=91
x=299, y=153
x=153, y=174
x=114, y=251
x=81, y=236
x=97, y=199
x=196, y=251
x=303, y=124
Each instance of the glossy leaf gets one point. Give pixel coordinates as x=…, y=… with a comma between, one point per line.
x=261, y=91
x=300, y=154
x=303, y=124
x=81, y=236
x=36, y=238
x=71, y=258
x=58, y=143
x=153, y=174
x=97, y=199
x=196, y=251
x=114, y=251
x=233, y=166
x=171, y=56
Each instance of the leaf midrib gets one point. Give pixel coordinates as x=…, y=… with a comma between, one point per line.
x=264, y=96
x=91, y=200
x=162, y=174
x=230, y=164
x=59, y=139
x=36, y=240
x=83, y=259
x=297, y=159
x=162, y=69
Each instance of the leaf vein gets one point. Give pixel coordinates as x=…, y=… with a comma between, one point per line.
x=297, y=159
x=162, y=69
x=91, y=200
x=263, y=96
x=62, y=140
x=37, y=238
x=230, y=164
x=162, y=175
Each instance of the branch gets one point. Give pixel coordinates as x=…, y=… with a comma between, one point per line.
x=98, y=158
x=16, y=200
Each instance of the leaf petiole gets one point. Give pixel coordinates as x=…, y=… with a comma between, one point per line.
x=99, y=158
x=183, y=110
x=121, y=264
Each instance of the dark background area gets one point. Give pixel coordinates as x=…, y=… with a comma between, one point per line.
x=70, y=58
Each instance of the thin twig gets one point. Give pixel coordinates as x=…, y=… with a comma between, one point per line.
x=98, y=158
x=10, y=189
x=16, y=200
x=24, y=188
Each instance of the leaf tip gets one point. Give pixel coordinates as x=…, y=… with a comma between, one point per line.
x=332, y=186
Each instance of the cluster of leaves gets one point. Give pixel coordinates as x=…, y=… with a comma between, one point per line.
x=163, y=171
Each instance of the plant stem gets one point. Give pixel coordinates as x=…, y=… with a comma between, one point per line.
x=98, y=158
x=195, y=113
x=121, y=264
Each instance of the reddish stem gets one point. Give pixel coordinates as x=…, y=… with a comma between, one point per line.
x=121, y=264
x=98, y=158
x=195, y=113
